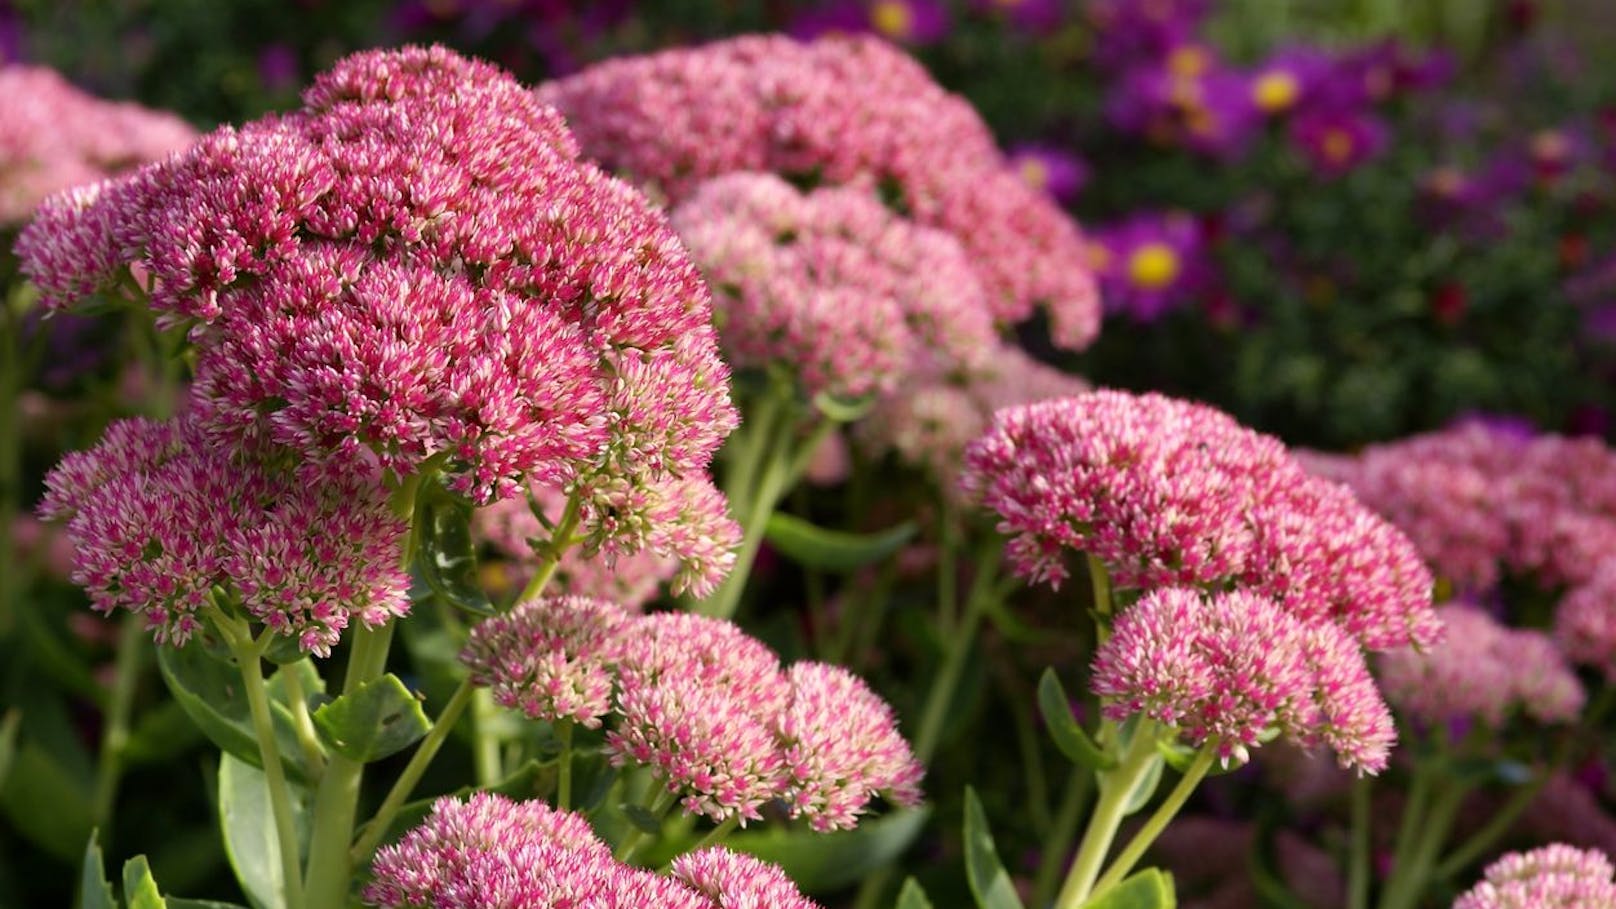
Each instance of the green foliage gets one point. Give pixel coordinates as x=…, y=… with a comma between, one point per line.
x=1151, y=888
x=380, y=719
x=990, y=883
x=833, y=550
x=820, y=862
x=209, y=690
x=1063, y=728
x=248, y=825
x=445, y=558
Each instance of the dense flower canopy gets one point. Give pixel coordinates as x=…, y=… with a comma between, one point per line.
x=53, y=136
x=418, y=263
x=838, y=111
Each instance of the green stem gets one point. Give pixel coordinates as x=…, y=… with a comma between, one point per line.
x=376, y=828
x=1116, y=790
x=1483, y=839
x=771, y=485
x=947, y=678
x=563, y=728
x=717, y=833
x=636, y=838
x=485, y=751
x=247, y=654
x=126, y=678
x=560, y=539
x=1158, y=821
x=1410, y=879
x=1358, y=870
x=302, y=723
x=1419, y=792
x=1064, y=830
x=336, y=800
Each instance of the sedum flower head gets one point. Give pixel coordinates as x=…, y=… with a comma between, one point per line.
x=832, y=284
x=1482, y=670
x=1551, y=877
x=551, y=658
x=53, y=136
x=1585, y=621
x=837, y=111
x=731, y=880
x=1230, y=667
x=418, y=263
x=159, y=517
x=842, y=748
x=1167, y=492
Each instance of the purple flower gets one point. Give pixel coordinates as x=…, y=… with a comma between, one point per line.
x=1338, y=141
x=1128, y=32
x=1050, y=168
x=1189, y=99
x=278, y=68
x=903, y=21
x=1149, y=264
x=1286, y=79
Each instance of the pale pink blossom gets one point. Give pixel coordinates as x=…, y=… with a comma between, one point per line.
x=552, y=658
x=1550, y=877
x=732, y=880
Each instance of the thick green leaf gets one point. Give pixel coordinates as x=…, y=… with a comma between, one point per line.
x=160, y=734
x=139, y=890
x=912, y=896
x=248, y=823
x=641, y=818
x=1063, y=728
x=446, y=558
x=990, y=883
x=46, y=802
x=1145, y=788
x=819, y=862
x=380, y=719
x=843, y=410
x=95, y=891
x=1151, y=888
x=833, y=550
x=210, y=692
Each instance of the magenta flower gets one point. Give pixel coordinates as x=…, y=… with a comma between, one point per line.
x=842, y=748
x=552, y=658
x=416, y=263
x=730, y=880
x=1482, y=671
x=159, y=517
x=1150, y=263
x=1338, y=141
x=914, y=22
x=53, y=136
x=1130, y=33
x=1189, y=98
x=1229, y=667
x=682, y=519
x=1556, y=876
x=837, y=111
x=1585, y=621
x=1166, y=492
x=1288, y=78
x=1056, y=171
x=832, y=285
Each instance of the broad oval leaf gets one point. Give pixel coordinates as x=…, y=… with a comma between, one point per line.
x=95, y=891
x=380, y=719
x=445, y=557
x=139, y=890
x=1063, y=728
x=1146, y=787
x=912, y=896
x=820, y=862
x=210, y=692
x=990, y=883
x=833, y=550
x=248, y=823
x=1151, y=888
x=843, y=410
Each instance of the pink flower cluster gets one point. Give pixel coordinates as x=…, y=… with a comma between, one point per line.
x=838, y=111
x=53, y=136
x=1551, y=877
x=705, y=705
x=833, y=284
x=491, y=853
x=1230, y=667
x=1167, y=492
x=417, y=262
x=1483, y=671
x=159, y=517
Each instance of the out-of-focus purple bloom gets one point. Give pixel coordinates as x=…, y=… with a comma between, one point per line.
x=1129, y=32
x=1050, y=168
x=1379, y=72
x=1555, y=152
x=1191, y=99
x=1035, y=16
x=11, y=34
x=278, y=68
x=1286, y=79
x=904, y=21
x=1338, y=141
x=1149, y=264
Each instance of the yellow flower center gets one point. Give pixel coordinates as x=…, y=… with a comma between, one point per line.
x=892, y=18
x=1035, y=172
x=1275, y=91
x=1188, y=60
x=1153, y=266
x=1338, y=146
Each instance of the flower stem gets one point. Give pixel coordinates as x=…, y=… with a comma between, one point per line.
x=376, y=828
x=1064, y=830
x=1358, y=870
x=1411, y=876
x=947, y=678
x=560, y=539
x=563, y=728
x=313, y=755
x=636, y=838
x=126, y=678
x=1158, y=821
x=717, y=833
x=1116, y=790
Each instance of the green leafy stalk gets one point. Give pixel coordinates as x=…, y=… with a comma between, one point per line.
x=1358, y=869
x=1116, y=792
x=1064, y=830
x=563, y=728
x=376, y=828
x=1158, y=821
x=1410, y=879
x=126, y=678
x=947, y=678
x=661, y=800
